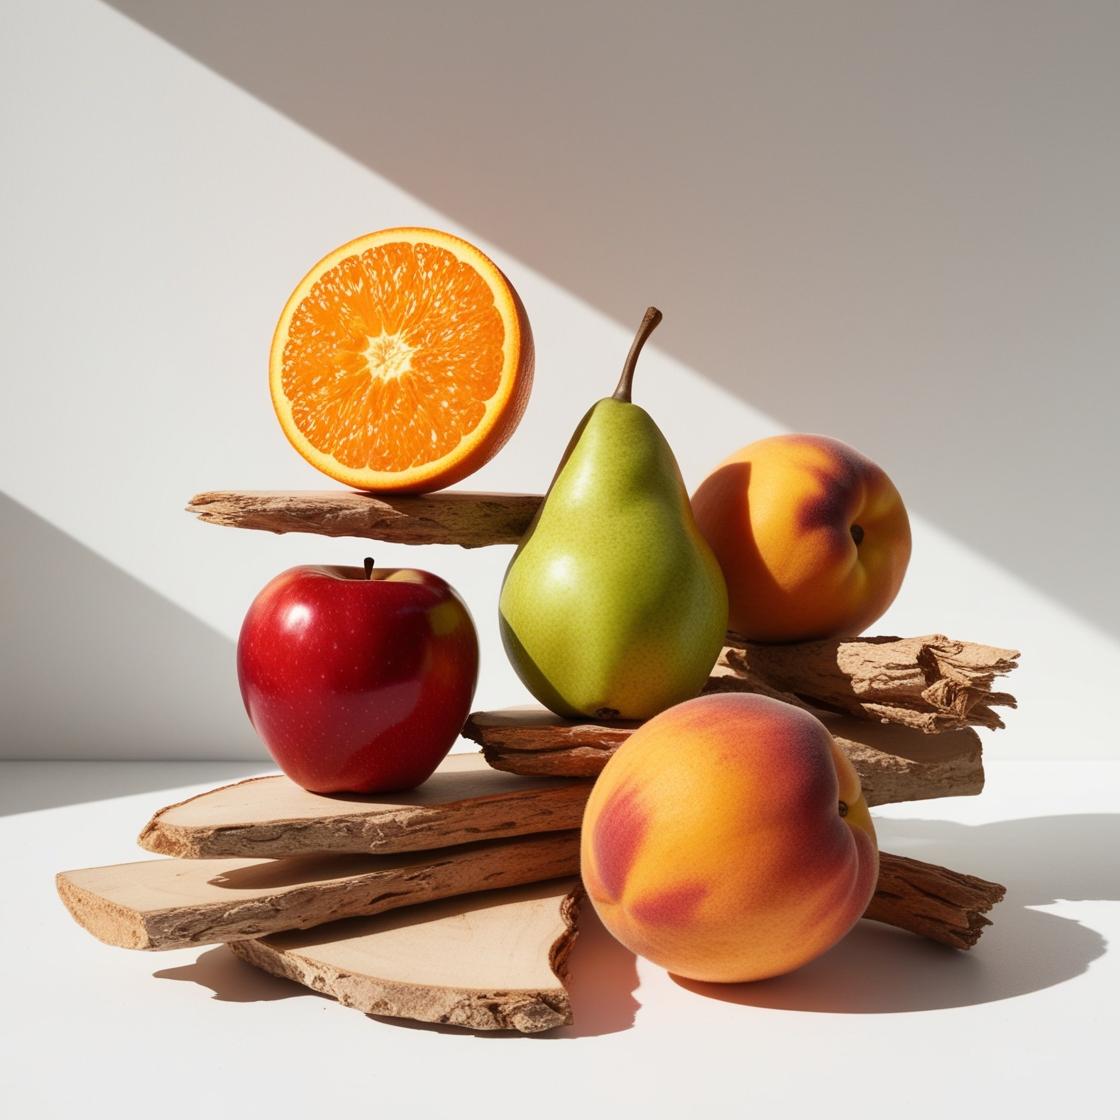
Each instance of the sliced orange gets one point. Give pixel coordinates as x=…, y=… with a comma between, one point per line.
x=402, y=361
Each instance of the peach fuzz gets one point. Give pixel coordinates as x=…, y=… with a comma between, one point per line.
x=812, y=537
x=728, y=839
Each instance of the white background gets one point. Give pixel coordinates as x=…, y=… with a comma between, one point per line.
x=895, y=223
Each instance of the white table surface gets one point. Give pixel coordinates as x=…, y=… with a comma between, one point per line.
x=883, y=1025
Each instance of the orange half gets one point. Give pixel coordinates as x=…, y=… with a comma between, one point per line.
x=403, y=361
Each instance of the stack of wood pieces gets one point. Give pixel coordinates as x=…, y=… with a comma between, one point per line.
x=454, y=903
x=458, y=902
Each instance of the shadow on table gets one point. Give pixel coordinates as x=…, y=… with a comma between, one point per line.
x=878, y=969
x=232, y=980
x=30, y=786
x=602, y=981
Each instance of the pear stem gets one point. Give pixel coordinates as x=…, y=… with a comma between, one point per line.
x=368, y=565
x=650, y=320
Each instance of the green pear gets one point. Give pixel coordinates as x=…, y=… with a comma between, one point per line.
x=613, y=606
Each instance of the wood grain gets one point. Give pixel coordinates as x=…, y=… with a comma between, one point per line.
x=171, y=903
x=271, y=817
x=460, y=517
x=931, y=683
x=934, y=902
x=487, y=962
x=894, y=763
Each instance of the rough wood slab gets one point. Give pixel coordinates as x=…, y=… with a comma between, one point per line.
x=934, y=902
x=271, y=817
x=171, y=903
x=932, y=683
x=446, y=517
x=493, y=961
x=894, y=763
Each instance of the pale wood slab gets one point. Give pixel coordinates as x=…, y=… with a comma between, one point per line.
x=931, y=683
x=464, y=801
x=894, y=763
x=447, y=517
x=490, y=961
x=171, y=903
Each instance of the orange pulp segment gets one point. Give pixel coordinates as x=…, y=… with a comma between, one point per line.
x=403, y=361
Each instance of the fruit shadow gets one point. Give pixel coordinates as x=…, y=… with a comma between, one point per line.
x=877, y=969
x=602, y=980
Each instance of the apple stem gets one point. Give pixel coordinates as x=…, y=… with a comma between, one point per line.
x=369, y=566
x=650, y=320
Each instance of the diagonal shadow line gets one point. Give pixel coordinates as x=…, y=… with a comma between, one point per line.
x=758, y=174
x=29, y=786
x=94, y=665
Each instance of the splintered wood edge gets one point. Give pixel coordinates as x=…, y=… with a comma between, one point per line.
x=173, y=840
x=528, y=1011
x=931, y=683
x=458, y=517
x=110, y=922
x=933, y=902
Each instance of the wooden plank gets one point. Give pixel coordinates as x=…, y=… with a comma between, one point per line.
x=460, y=517
x=894, y=763
x=491, y=961
x=271, y=817
x=931, y=901
x=171, y=903
x=932, y=683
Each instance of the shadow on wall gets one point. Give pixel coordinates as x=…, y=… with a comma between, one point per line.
x=895, y=225
x=98, y=666
x=29, y=786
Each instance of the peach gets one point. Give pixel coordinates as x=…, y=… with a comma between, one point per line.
x=812, y=537
x=728, y=839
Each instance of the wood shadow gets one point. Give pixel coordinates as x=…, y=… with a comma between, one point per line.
x=231, y=980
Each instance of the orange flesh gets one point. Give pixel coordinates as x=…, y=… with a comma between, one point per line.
x=392, y=356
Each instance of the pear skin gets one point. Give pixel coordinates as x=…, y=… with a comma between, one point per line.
x=613, y=605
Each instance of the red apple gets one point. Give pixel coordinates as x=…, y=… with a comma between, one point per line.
x=357, y=680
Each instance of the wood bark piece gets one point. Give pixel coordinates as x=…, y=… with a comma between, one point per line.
x=934, y=902
x=894, y=763
x=171, y=903
x=493, y=961
x=931, y=683
x=464, y=801
x=447, y=517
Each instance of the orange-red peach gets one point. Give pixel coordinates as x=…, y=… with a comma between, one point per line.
x=728, y=839
x=812, y=537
